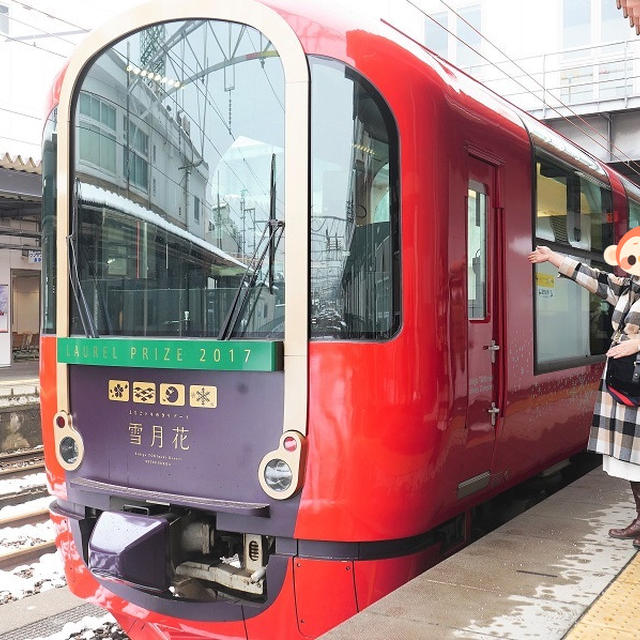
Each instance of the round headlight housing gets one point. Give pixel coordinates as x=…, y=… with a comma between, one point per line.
x=69, y=450
x=278, y=475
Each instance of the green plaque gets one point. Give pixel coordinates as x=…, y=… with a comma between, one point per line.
x=215, y=355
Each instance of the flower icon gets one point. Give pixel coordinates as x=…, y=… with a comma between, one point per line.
x=119, y=390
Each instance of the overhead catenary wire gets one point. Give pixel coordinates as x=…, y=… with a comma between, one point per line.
x=33, y=45
x=46, y=34
x=30, y=7
x=544, y=89
x=22, y=114
x=527, y=89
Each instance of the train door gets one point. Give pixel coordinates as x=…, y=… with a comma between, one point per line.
x=483, y=296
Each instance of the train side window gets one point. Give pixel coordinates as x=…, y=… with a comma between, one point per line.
x=354, y=208
x=573, y=215
x=49, y=164
x=476, y=251
x=633, y=202
x=634, y=213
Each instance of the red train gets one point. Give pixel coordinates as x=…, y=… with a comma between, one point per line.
x=290, y=336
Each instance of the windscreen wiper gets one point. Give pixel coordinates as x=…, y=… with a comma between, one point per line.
x=88, y=325
x=250, y=276
x=276, y=228
x=272, y=219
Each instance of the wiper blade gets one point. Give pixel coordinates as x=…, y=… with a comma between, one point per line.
x=272, y=219
x=86, y=318
x=250, y=276
x=247, y=283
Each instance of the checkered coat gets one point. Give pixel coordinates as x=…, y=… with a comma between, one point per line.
x=615, y=428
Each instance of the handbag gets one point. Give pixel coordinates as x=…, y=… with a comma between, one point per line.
x=623, y=379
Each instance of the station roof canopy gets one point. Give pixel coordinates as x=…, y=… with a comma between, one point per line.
x=20, y=187
x=631, y=10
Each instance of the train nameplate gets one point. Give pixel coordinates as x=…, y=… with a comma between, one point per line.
x=210, y=355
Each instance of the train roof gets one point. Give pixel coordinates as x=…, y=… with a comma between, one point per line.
x=324, y=28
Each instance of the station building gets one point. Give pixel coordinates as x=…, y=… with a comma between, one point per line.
x=574, y=64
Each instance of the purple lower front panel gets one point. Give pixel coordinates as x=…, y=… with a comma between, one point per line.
x=130, y=548
x=180, y=437
x=226, y=610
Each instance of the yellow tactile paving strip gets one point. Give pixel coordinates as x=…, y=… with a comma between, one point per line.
x=615, y=615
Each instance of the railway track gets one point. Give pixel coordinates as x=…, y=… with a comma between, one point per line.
x=23, y=495
x=33, y=549
x=19, y=462
x=24, y=555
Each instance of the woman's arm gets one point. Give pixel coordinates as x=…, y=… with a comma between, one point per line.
x=625, y=348
x=605, y=285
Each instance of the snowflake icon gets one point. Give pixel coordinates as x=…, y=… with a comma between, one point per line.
x=203, y=396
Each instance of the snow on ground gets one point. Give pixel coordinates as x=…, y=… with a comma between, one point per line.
x=27, y=535
x=87, y=629
x=14, y=485
x=26, y=507
x=28, y=579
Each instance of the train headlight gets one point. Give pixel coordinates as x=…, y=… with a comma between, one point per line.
x=281, y=472
x=68, y=442
x=69, y=450
x=278, y=475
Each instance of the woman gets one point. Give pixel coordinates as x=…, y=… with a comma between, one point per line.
x=612, y=420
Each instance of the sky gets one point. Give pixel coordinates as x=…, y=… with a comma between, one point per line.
x=31, y=56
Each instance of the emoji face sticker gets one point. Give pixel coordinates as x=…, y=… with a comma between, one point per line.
x=626, y=254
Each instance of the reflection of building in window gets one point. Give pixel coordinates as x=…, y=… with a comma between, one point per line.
x=195, y=151
x=97, y=132
x=196, y=208
x=152, y=56
x=136, y=154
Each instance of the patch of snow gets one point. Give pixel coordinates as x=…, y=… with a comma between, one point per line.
x=26, y=507
x=83, y=629
x=28, y=579
x=15, y=485
x=27, y=535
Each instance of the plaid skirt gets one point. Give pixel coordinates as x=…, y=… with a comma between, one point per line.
x=615, y=428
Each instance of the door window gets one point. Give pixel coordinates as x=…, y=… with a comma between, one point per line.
x=476, y=251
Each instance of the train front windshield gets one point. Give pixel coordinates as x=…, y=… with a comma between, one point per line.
x=178, y=224
x=177, y=228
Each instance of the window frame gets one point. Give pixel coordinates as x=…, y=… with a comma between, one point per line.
x=545, y=150
x=480, y=189
x=632, y=194
x=395, y=208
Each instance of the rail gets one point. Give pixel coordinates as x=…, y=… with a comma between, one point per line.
x=23, y=495
x=20, y=462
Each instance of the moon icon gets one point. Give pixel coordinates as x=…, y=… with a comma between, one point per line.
x=171, y=394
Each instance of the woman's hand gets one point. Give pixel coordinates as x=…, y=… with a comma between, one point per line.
x=625, y=348
x=544, y=254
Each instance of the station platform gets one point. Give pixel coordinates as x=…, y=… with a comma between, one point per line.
x=550, y=573
x=20, y=374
